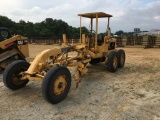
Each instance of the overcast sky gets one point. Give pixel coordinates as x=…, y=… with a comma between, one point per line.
x=127, y=14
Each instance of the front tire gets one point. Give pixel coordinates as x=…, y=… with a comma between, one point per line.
x=56, y=84
x=11, y=76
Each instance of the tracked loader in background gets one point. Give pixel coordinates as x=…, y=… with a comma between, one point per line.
x=51, y=66
x=12, y=48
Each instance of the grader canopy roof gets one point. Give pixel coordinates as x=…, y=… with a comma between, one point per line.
x=93, y=15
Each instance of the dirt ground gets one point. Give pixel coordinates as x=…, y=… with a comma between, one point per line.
x=132, y=93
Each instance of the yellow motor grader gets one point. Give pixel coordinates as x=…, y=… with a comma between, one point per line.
x=12, y=48
x=51, y=65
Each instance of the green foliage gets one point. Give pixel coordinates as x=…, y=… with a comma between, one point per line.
x=47, y=28
x=129, y=33
x=121, y=33
x=5, y=22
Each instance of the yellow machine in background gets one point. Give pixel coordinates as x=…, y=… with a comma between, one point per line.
x=12, y=48
x=50, y=66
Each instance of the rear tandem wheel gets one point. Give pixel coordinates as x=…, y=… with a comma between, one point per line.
x=112, y=61
x=121, y=58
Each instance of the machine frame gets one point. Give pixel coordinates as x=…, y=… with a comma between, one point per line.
x=51, y=66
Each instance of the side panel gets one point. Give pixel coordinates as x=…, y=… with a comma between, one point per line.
x=24, y=50
x=13, y=49
x=10, y=40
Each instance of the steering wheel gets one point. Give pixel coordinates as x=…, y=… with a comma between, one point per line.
x=92, y=34
x=92, y=38
x=92, y=31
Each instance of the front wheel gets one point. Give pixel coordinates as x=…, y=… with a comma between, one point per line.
x=12, y=74
x=56, y=84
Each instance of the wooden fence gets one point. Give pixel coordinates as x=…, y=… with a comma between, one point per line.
x=146, y=41
x=50, y=41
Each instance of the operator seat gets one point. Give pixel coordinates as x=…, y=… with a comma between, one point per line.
x=4, y=34
x=100, y=40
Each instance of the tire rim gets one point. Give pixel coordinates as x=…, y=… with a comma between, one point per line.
x=115, y=62
x=59, y=85
x=16, y=76
x=122, y=59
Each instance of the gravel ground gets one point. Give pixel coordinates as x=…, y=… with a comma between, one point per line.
x=132, y=93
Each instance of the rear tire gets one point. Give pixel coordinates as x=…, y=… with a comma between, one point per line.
x=112, y=61
x=121, y=58
x=56, y=84
x=11, y=76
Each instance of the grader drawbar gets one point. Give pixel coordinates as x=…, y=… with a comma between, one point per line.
x=51, y=65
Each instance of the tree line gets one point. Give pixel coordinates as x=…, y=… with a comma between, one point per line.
x=47, y=28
